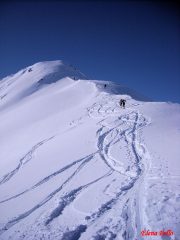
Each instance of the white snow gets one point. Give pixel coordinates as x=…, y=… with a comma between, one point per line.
x=75, y=165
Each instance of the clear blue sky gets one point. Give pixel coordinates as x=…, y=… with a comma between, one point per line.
x=132, y=43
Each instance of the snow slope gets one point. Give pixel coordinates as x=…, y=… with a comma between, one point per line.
x=74, y=165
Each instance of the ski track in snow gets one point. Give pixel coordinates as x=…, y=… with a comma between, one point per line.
x=24, y=160
x=49, y=197
x=134, y=121
x=49, y=177
x=114, y=127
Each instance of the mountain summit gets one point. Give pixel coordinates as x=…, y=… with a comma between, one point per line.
x=32, y=78
x=74, y=164
x=54, y=74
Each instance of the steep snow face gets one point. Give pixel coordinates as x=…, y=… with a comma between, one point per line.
x=75, y=165
x=33, y=78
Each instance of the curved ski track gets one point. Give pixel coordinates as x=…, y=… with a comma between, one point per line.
x=115, y=125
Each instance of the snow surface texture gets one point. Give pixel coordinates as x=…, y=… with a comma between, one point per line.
x=75, y=165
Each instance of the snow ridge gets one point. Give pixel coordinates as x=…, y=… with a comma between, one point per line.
x=77, y=166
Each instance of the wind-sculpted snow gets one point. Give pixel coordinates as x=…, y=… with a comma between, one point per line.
x=93, y=179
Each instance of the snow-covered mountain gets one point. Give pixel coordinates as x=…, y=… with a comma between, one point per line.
x=75, y=165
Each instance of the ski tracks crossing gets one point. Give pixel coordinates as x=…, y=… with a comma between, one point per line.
x=120, y=148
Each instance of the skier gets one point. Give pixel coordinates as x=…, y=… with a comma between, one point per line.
x=124, y=103
x=105, y=85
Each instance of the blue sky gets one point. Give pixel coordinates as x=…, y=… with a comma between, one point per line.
x=133, y=43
